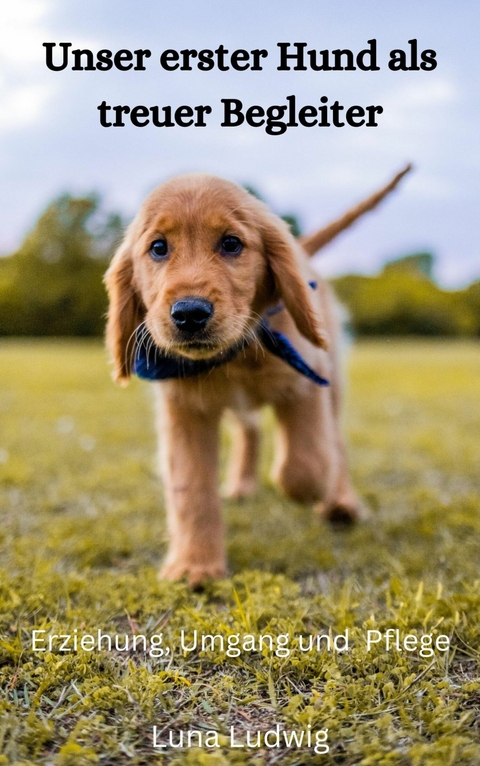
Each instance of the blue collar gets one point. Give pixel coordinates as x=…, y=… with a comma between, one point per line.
x=152, y=364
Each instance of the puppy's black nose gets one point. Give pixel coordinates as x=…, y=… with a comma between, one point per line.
x=191, y=314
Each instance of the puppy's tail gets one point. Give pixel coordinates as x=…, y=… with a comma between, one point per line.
x=316, y=241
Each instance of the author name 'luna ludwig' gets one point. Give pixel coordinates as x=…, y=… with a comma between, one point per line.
x=255, y=739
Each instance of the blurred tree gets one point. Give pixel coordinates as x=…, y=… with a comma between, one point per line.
x=293, y=222
x=472, y=298
x=403, y=300
x=253, y=191
x=418, y=262
x=53, y=284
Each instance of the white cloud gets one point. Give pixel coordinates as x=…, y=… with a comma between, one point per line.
x=21, y=105
x=22, y=32
x=23, y=95
x=420, y=100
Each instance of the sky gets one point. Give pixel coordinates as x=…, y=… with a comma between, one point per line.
x=51, y=140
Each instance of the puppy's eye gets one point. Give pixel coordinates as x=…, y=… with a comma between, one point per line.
x=231, y=246
x=159, y=249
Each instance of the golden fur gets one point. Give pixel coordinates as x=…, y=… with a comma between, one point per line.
x=193, y=213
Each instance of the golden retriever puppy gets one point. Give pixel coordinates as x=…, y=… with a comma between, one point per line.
x=213, y=299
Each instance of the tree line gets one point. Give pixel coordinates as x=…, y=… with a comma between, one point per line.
x=52, y=285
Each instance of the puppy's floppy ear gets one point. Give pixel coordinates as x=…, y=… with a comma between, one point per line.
x=125, y=312
x=283, y=254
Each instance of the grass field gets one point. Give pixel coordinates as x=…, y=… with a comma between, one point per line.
x=82, y=534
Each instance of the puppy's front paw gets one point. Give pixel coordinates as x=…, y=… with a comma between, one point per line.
x=196, y=572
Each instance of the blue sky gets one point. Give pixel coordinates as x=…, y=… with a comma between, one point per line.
x=51, y=140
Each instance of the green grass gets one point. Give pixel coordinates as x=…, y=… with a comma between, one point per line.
x=82, y=534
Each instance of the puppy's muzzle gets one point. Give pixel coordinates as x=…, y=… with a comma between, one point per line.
x=191, y=315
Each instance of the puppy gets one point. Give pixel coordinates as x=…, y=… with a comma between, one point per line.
x=213, y=299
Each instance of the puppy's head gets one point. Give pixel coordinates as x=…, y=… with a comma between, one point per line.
x=198, y=266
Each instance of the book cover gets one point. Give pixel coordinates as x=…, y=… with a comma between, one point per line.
x=262, y=218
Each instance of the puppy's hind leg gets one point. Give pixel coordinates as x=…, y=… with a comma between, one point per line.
x=311, y=465
x=344, y=507
x=305, y=466
x=242, y=471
